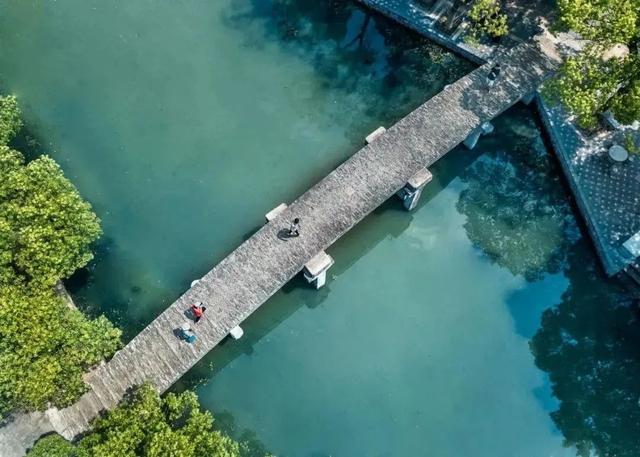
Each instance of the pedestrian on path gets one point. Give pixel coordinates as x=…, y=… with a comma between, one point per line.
x=198, y=310
x=294, y=228
x=187, y=334
x=492, y=76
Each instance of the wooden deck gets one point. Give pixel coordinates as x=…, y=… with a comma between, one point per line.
x=244, y=280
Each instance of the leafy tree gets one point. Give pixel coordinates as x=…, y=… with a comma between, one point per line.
x=10, y=121
x=588, y=85
x=52, y=446
x=610, y=21
x=45, y=346
x=596, y=80
x=46, y=229
x=45, y=233
x=626, y=105
x=487, y=18
x=147, y=425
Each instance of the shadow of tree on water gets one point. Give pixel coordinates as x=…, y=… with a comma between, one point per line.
x=517, y=210
x=353, y=49
x=251, y=446
x=590, y=347
x=519, y=216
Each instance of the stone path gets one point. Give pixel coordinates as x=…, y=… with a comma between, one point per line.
x=259, y=267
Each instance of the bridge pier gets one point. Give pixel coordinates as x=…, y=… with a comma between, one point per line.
x=411, y=192
x=236, y=332
x=484, y=129
x=315, y=270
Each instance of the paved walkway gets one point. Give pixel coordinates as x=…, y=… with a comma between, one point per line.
x=259, y=267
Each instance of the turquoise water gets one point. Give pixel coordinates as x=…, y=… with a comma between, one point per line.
x=185, y=124
x=419, y=344
x=477, y=325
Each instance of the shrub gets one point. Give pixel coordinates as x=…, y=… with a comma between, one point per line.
x=10, y=121
x=487, y=18
x=52, y=446
x=147, y=425
x=46, y=231
x=45, y=347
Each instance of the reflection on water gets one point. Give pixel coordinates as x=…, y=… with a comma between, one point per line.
x=517, y=211
x=589, y=343
x=419, y=335
x=354, y=50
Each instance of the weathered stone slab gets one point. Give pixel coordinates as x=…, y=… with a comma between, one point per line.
x=271, y=215
x=420, y=179
x=370, y=138
x=321, y=262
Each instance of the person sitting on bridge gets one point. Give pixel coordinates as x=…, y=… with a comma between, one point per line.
x=494, y=72
x=187, y=334
x=294, y=228
x=198, y=311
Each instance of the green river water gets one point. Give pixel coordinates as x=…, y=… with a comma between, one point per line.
x=478, y=325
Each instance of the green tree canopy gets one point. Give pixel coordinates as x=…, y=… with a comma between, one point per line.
x=52, y=446
x=147, y=425
x=597, y=80
x=45, y=346
x=46, y=229
x=611, y=21
x=487, y=18
x=10, y=120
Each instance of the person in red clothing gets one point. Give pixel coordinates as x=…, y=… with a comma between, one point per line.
x=198, y=311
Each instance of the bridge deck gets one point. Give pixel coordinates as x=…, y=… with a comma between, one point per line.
x=259, y=267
